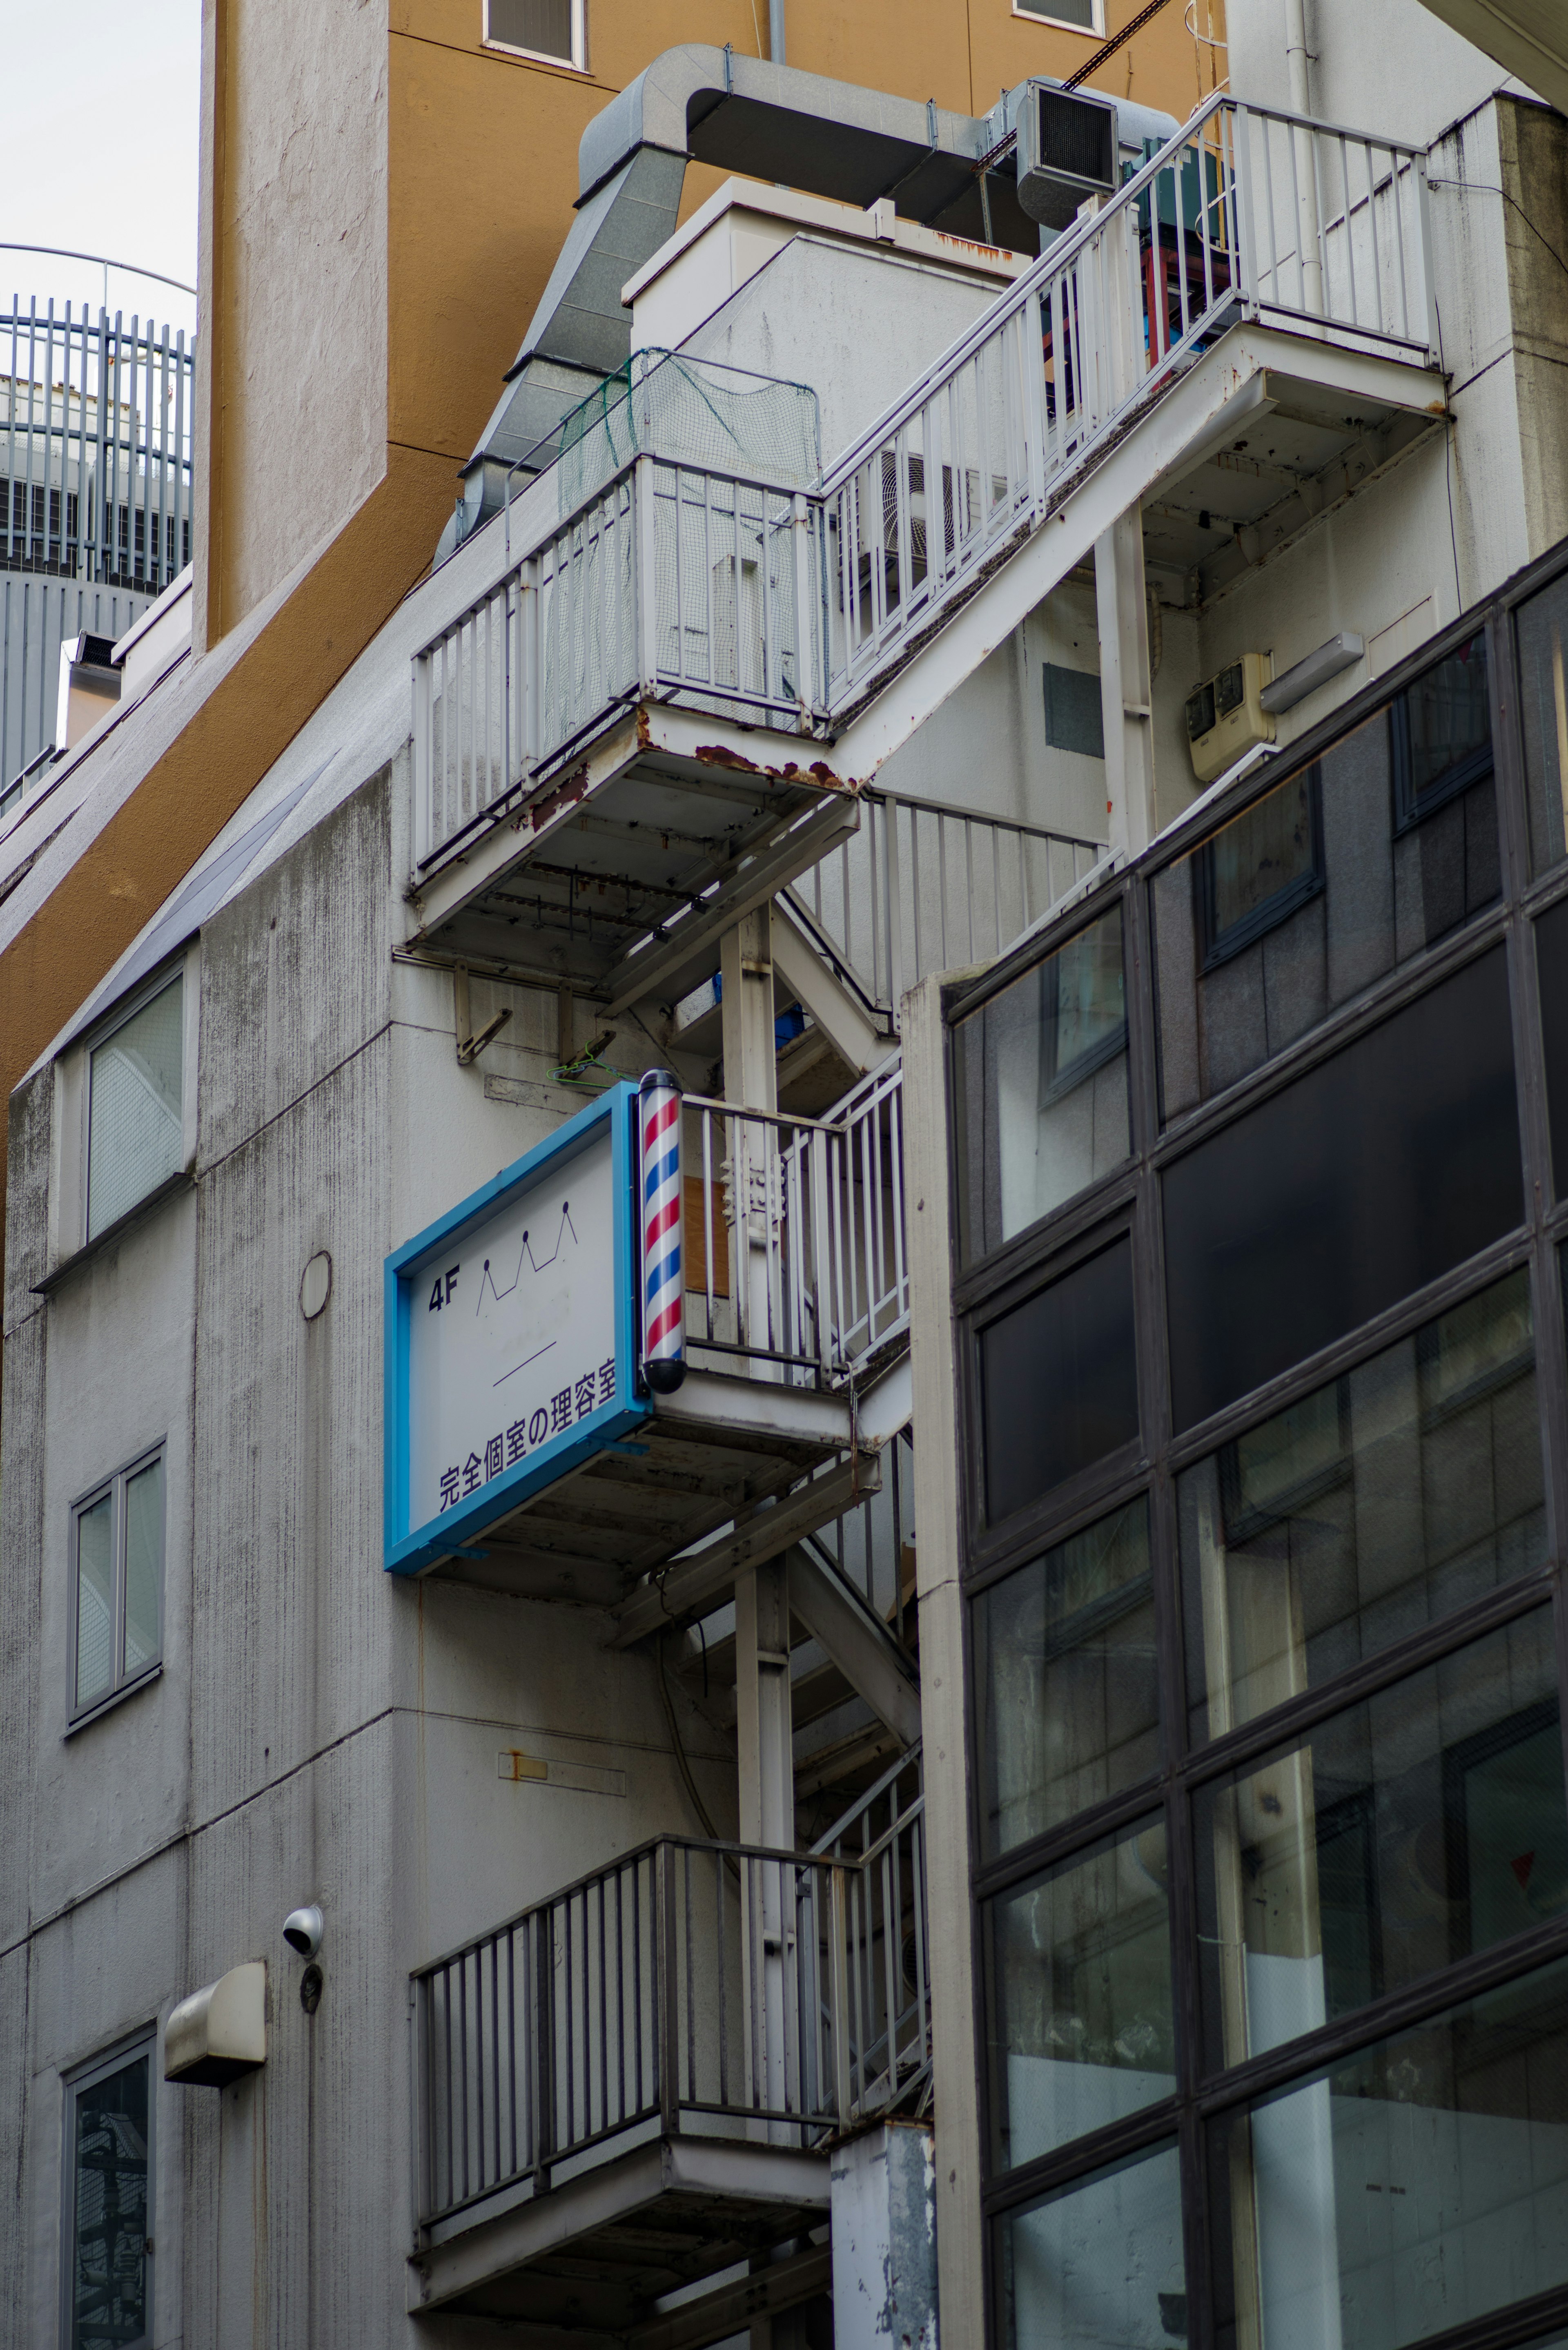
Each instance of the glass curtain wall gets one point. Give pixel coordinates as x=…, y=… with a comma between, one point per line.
x=1264, y=1256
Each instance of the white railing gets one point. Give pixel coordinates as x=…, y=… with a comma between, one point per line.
x=793, y=1229
x=686, y=583
x=921, y=888
x=672, y=583
x=1247, y=213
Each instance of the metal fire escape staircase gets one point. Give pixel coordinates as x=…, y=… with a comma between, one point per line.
x=662, y=718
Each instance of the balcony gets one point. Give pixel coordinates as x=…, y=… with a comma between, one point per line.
x=668, y=703
x=633, y=2085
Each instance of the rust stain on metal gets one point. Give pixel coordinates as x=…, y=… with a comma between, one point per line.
x=719, y=755
x=567, y=794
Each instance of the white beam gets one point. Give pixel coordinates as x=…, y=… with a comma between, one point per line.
x=703, y=1575
x=753, y=882
x=855, y=1038
x=861, y=1646
x=1125, y=686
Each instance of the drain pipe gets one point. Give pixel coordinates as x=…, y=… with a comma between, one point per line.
x=775, y=32
x=1295, y=53
x=1305, y=142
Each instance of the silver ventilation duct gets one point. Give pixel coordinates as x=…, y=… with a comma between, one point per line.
x=771, y=122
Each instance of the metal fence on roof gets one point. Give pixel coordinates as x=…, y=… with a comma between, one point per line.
x=96, y=413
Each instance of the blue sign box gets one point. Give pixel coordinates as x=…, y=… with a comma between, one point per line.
x=458, y=1421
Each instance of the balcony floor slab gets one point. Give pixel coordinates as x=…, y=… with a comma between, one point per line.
x=720, y=1443
x=593, y=2255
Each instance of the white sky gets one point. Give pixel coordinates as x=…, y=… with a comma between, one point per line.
x=100, y=150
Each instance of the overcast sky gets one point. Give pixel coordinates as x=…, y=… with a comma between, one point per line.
x=100, y=150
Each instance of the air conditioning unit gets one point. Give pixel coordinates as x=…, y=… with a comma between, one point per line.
x=1066, y=151
x=1226, y=718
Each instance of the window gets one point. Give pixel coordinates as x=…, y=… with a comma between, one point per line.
x=1368, y=1177
x=1067, y=1680
x=1543, y=719
x=1328, y=881
x=1400, y=2191
x=108, y=2270
x=1058, y=1380
x=1081, y=2025
x=552, y=29
x=1391, y=1841
x=1084, y=16
x=116, y=1584
x=1440, y=733
x=136, y=1107
x=1043, y=1088
x=1259, y=869
x=1075, y=715
x=1099, y=2265
x=1399, y=1491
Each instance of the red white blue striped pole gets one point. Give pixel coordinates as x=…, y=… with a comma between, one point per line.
x=661, y=1252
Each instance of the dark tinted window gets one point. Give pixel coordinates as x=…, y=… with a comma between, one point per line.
x=1067, y=1680
x=1058, y=1382
x=1327, y=882
x=1551, y=958
x=1041, y=1088
x=1543, y=716
x=1362, y=1181
x=1259, y=868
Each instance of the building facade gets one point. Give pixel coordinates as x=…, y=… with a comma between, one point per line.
x=1021, y=1800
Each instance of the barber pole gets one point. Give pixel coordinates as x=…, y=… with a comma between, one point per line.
x=658, y=1200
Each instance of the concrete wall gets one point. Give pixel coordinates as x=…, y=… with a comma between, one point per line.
x=318, y=1731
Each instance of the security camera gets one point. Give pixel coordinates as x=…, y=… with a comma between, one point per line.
x=303, y=1929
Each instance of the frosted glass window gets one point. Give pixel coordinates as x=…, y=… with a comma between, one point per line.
x=545, y=28
x=95, y=1601
x=136, y=1113
x=118, y=1583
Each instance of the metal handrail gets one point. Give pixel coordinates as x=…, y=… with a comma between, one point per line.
x=689, y=1980
x=684, y=583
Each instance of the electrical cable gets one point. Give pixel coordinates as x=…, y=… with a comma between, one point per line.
x=1118, y=40
x=678, y=1748
x=1485, y=188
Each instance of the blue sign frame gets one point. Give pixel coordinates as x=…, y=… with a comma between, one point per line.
x=408, y=1550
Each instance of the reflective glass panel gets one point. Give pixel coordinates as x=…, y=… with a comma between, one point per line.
x=1099, y=2265
x=1058, y=1381
x=1404, y=2190
x=1382, y=1168
x=94, y=1602
x=1376, y=1504
x=1066, y=1680
x=136, y=1109
x=143, y=1564
x=1327, y=882
x=1080, y=2005
x=1551, y=963
x=1542, y=624
x=1041, y=1088
x=109, y=2297
x=1401, y=1835
x=542, y=26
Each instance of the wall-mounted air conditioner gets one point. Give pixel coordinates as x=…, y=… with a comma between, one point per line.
x=1226, y=718
x=1066, y=151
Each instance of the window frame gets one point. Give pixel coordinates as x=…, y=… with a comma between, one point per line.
x=579, y=60
x=1218, y=947
x=121, y=1017
x=114, y=1486
x=74, y=2080
x=1095, y=31
x=1411, y=807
